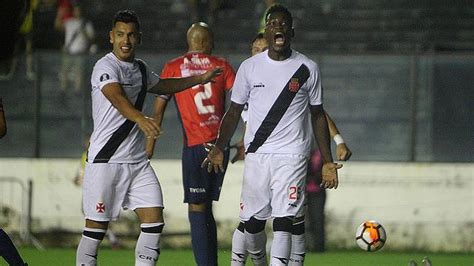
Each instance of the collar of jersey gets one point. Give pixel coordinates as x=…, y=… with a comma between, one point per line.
x=286, y=61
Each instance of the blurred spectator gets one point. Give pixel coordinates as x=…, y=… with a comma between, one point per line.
x=3, y=122
x=11, y=22
x=79, y=41
x=26, y=34
x=204, y=10
x=63, y=14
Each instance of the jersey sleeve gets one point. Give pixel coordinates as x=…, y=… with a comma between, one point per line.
x=241, y=88
x=315, y=87
x=104, y=74
x=229, y=76
x=166, y=72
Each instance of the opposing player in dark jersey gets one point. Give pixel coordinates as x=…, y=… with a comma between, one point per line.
x=118, y=173
x=200, y=109
x=278, y=85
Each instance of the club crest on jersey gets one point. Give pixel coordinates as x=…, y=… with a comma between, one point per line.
x=104, y=77
x=100, y=207
x=294, y=85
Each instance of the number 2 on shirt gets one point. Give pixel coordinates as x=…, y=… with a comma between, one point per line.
x=201, y=96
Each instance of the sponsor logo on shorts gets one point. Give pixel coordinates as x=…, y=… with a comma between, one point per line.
x=197, y=190
x=100, y=207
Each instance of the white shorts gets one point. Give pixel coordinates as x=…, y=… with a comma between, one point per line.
x=273, y=186
x=110, y=186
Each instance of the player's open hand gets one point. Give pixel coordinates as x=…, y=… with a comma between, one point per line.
x=240, y=154
x=209, y=75
x=214, y=160
x=329, y=174
x=149, y=127
x=342, y=152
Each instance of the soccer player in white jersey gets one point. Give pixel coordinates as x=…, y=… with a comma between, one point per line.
x=278, y=85
x=298, y=248
x=118, y=173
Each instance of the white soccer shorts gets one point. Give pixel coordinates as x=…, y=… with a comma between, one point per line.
x=273, y=186
x=108, y=187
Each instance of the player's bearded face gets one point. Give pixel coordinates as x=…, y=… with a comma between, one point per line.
x=278, y=32
x=124, y=37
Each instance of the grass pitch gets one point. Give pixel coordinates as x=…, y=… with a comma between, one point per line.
x=173, y=257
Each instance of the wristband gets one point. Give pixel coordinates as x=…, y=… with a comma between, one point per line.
x=338, y=139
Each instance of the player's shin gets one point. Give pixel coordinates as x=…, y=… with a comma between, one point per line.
x=256, y=240
x=239, y=251
x=86, y=254
x=147, y=250
x=298, y=250
x=281, y=245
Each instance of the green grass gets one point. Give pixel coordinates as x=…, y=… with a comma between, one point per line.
x=60, y=257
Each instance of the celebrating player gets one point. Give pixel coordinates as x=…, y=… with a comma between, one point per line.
x=118, y=173
x=277, y=85
x=201, y=109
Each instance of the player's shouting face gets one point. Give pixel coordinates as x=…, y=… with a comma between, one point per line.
x=124, y=37
x=278, y=32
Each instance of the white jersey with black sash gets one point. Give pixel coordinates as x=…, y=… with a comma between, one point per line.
x=116, y=139
x=278, y=94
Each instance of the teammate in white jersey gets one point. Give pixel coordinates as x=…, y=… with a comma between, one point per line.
x=118, y=173
x=278, y=85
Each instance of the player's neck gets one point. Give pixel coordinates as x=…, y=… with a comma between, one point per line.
x=279, y=55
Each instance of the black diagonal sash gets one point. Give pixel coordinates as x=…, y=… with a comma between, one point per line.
x=279, y=108
x=122, y=132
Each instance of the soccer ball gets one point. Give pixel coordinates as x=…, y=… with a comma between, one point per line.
x=370, y=236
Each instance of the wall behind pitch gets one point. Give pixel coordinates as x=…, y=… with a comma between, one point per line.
x=421, y=205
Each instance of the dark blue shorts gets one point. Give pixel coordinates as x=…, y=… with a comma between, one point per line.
x=199, y=185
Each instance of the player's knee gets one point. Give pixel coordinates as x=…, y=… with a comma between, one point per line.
x=283, y=224
x=298, y=228
x=254, y=226
x=94, y=233
x=152, y=228
x=197, y=207
x=241, y=227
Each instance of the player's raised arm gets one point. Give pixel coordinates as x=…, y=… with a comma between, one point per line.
x=173, y=85
x=228, y=126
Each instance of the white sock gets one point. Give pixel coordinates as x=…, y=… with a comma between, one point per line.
x=298, y=250
x=147, y=250
x=239, y=252
x=281, y=248
x=255, y=244
x=86, y=254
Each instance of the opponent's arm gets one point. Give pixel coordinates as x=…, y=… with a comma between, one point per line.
x=159, y=108
x=173, y=85
x=343, y=152
x=115, y=94
x=229, y=123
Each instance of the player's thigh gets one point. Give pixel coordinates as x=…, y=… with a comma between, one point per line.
x=256, y=194
x=145, y=189
x=288, y=184
x=104, y=189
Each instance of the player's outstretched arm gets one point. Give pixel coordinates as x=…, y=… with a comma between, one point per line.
x=115, y=94
x=321, y=131
x=173, y=85
x=343, y=152
x=229, y=123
